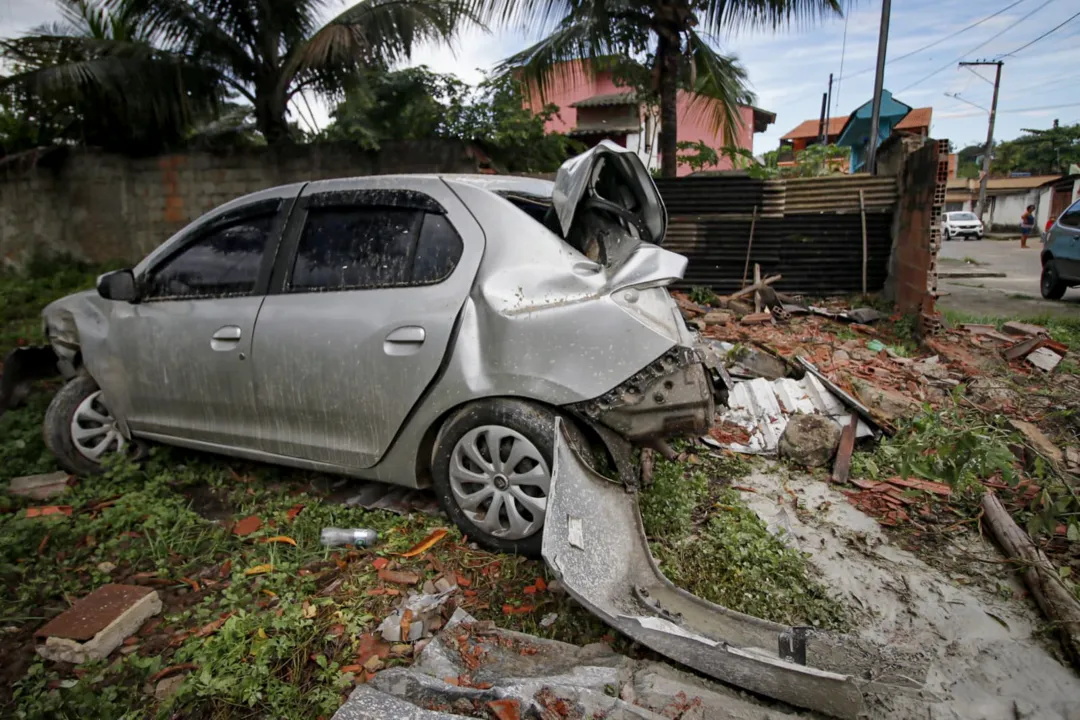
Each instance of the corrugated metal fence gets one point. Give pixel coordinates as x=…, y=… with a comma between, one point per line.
x=808, y=230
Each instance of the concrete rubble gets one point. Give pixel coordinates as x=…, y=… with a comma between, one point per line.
x=810, y=440
x=97, y=624
x=40, y=487
x=473, y=669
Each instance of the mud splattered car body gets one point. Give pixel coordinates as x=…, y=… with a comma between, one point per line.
x=345, y=325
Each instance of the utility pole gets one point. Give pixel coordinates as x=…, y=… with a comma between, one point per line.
x=828, y=113
x=821, y=120
x=879, y=86
x=989, y=135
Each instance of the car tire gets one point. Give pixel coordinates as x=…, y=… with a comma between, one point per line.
x=1050, y=283
x=81, y=397
x=521, y=427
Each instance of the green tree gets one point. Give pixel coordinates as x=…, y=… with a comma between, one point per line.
x=815, y=161
x=1040, y=152
x=99, y=77
x=418, y=104
x=265, y=52
x=671, y=36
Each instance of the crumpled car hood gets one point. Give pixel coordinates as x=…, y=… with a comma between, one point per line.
x=577, y=180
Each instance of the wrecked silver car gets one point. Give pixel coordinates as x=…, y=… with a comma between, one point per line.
x=418, y=330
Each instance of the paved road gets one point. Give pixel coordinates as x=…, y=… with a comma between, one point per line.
x=999, y=296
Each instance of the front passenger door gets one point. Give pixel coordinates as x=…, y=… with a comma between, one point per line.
x=185, y=345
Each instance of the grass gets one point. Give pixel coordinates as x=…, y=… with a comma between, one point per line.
x=708, y=542
x=265, y=626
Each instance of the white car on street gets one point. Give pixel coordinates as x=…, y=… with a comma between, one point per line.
x=962, y=225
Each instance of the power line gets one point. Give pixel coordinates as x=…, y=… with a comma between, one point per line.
x=843, y=52
x=1048, y=32
x=936, y=42
x=952, y=62
x=956, y=96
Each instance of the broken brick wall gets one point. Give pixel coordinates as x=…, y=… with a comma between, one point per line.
x=912, y=280
x=101, y=207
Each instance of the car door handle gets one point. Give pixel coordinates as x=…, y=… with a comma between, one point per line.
x=226, y=338
x=409, y=335
x=229, y=332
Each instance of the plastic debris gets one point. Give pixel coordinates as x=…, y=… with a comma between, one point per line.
x=361, y=537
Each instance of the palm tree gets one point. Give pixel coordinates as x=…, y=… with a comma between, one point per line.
x=672, y=34
x=266, y=52
x=97, y=77
x=270, y=51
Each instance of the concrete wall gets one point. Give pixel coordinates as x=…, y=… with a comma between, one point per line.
x=1005, y=210
x=102, y=207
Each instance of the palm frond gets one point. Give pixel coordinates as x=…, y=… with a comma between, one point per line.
x=130, y=80
x=375, y=33
x=207, y=30
x=731, y=15
x=583, y=38
x=719, y=88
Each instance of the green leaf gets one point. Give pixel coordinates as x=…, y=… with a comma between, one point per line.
x=1073, y=533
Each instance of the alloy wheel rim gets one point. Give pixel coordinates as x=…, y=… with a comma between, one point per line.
x=501, y=481
x=93, y=429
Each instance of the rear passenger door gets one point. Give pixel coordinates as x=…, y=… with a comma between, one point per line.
x=364, y=298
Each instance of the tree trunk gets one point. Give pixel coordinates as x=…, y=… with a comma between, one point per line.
x=1056, y=601
x=667, y=60
x=270, y=111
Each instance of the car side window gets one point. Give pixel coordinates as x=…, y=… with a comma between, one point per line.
x=437, y=250
x=354, y=248
x=1071, y=217
x=225, y=261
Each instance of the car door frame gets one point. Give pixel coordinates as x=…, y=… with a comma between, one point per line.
x=109, y=370
x=372, y=190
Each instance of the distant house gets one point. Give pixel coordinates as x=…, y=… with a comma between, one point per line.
x=853, y=131
x=1008, y=197
x=593, y=108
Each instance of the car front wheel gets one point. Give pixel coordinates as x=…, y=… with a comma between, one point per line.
x=1051, y=284
x=79, y=428
x=492, y=469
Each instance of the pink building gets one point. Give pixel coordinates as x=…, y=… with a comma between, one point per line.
x=593, y=108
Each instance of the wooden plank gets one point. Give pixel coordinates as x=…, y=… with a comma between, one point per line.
x=842, y=466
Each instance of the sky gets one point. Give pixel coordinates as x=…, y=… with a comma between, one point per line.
x=789, y=70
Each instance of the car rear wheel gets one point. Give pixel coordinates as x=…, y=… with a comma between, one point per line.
x=492, y=472
x=1051, y=284
x=80, y=429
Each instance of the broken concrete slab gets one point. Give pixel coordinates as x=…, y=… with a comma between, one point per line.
x=97, y=624
x=1022, y=329
x=810, y=440
x=40, y=487
x=931, y=367
x=891, y=404
x=718, y=317
x=1044, y=359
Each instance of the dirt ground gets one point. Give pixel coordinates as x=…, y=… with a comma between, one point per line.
x=989, y=658
x=1016, y=294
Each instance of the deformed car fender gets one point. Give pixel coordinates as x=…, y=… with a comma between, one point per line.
x=77, y=327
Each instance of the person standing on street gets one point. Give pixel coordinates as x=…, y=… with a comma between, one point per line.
x=1027, y=224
